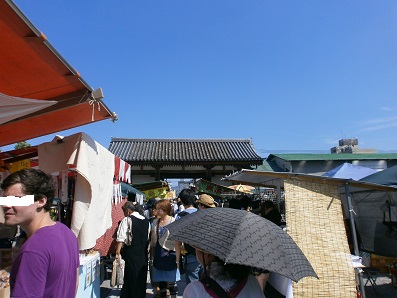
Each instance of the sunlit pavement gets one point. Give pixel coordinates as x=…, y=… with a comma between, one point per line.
x=108, y=292
x=383, y=288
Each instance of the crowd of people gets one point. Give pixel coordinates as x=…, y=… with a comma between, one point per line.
x=205, y=274
x=142, y=240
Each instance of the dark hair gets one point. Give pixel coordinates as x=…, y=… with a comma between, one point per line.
x=133, y=206
x=34, y=182
x=235, y=203
x=246, y=202
x=137, y=208
x=267, y=205
x=188, y=197
x=236, y=271
x=164, y=205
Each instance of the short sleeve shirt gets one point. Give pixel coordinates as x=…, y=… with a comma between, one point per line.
x=46, y=265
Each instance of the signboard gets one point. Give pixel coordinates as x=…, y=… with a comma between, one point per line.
x=155, y=193
x=213, y=189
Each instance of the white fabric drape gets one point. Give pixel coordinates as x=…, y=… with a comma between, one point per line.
x=94, y=166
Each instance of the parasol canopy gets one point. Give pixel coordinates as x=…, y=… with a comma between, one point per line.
x=242, y=188
x=241, y=237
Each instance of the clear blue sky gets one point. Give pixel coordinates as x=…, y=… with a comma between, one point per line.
x=291, y=75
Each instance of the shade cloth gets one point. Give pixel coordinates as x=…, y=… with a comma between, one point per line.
x=349, y=171
x=315, y=221
x=385, y=177
x=12, y=107
x=377, y=233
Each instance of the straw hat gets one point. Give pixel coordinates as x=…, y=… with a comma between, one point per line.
x=207, y=200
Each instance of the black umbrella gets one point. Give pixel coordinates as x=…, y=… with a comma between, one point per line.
x=241, y=237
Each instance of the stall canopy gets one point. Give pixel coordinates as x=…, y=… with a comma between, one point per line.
x=276, y=179
x=378, y=221
x=349, y=171
x=204, y=186
x=385, y=177
x=18, y=154
x=127, y=188
x=31, y=68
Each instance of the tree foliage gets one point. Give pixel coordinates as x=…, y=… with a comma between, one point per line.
x=21, y=145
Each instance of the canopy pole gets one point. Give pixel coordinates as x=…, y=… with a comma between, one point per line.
x=278, y=196
x=359, y=277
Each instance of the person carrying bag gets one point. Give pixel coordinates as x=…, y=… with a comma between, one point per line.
x=133, y=236
x=163, y=259
x=165, y=271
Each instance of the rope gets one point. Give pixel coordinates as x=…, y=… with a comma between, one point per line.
x=92, y=102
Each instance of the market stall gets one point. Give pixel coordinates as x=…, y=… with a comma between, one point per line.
x=94, y=187
x=91, y=192
x=315, y=210
x=41, y=93
x=213, y=189
x=156, y=189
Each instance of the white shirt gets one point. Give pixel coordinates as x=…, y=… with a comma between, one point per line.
x=123, y=227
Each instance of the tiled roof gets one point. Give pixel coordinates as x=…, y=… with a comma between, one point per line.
x=342, y=156
x=217, y=151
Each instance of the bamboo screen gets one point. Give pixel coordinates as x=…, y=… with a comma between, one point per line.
x=315, y=221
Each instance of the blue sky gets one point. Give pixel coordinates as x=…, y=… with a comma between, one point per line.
x=290, y=75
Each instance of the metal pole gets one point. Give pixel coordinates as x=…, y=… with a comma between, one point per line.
x=278, y=196
x=354, y=234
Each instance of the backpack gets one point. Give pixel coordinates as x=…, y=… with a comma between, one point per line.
x=189, y=248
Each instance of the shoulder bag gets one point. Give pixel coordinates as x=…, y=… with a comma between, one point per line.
x=128, y=239
x=163, y=259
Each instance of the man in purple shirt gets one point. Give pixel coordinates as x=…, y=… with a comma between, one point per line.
x=47, y=263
